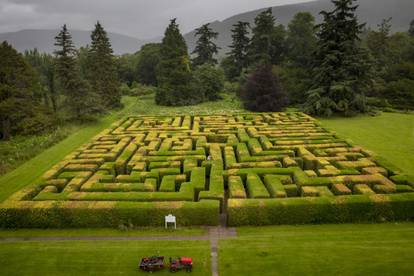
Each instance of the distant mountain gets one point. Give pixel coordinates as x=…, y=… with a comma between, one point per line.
x=43, y=40
x=370, y=11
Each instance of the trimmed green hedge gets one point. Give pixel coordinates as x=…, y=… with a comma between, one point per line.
x=65, y=214
x=340, y=209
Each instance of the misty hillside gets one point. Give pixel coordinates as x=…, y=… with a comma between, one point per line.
x=43, y=40
x=370, y=11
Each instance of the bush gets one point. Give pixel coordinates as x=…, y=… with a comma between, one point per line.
x=263, y=92
x=355, y=208
x=400, y=93
x=137, y=89
x=61, y=214
x=207, y=82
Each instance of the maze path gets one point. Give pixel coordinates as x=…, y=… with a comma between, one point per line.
x=168, y=161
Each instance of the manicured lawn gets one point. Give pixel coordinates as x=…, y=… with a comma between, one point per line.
x=96, y=258
x=102, y=232
x=353, y=249
x=389, y=135
x=229, y=104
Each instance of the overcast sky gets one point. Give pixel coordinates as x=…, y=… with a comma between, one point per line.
x=138, y=18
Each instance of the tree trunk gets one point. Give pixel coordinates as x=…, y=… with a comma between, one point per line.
x=5, y=128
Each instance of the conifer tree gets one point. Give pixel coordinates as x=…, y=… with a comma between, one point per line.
x=301, y=40
x=101, y=67
x=17, y=86
x=341, y=65
x=174, y=73
x=79, y=100
x=268, y=40
x=263, y=91
x=411, y=29
x=239, y=47
x=205, y=49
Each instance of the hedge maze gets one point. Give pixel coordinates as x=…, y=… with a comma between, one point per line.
x=268, y=168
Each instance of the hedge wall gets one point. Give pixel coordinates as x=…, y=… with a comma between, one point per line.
x=66, y=214
x=340, y=209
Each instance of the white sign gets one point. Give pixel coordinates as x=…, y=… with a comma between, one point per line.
x=170, y=219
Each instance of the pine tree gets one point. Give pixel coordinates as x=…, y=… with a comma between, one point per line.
x=174, y=73
x=238, y=56
x=17, y=86
x=301, y=40
x=268, y=41
x=148, y=59
x=411, y=29
x=79, y=100
x=341, y=65
x=263, y=92
x=205, y=48
x=101, y=69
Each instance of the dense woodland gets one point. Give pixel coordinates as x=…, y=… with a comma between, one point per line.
x=339, y=67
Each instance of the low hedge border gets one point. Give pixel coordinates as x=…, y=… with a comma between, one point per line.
x=340, y=209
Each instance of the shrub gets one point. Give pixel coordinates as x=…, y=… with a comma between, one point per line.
x=263, y=92
x=207, y=82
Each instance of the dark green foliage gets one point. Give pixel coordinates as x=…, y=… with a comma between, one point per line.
x=205, y=48
x=148, y=59
x=411, y=29
x=301, y=40
x=263, y=92
x=44, y=65
x=341, y=65
x=296, y=81
x=126, y=67
x=238, y=56
x=208, y=82
x=102, y=73
x=79, y=100
x=20, y=109
x=173, y=72
x=400, y=93
x=268, y=41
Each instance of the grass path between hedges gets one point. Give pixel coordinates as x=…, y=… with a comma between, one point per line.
x=30, y=171
x=350, y=249
x=390, y=135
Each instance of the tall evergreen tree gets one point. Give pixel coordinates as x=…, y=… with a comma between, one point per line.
x=268, y=40
x=79, y=100
x=44, y=64
x=411, y=29
x=17, y=85
x=301, y=40
x=205, y=48
x=174, y=73
x=263, y=91
x=102, y=73
x=239, y=47
x=148, y=59
x=341, y=65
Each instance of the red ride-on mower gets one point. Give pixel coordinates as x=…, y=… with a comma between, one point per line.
x=151, y=264
x=181, y=264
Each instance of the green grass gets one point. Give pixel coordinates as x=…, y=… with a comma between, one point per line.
x=30, y=171
x=390, y=135
x=354, y=249
x=96, y=258
x=229, y=104
x=102, y=232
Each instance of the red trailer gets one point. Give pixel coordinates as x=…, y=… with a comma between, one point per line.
x=151, y=264
x=181, y=264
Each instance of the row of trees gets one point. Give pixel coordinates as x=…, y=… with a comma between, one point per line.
x=37, y=90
